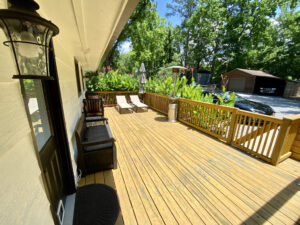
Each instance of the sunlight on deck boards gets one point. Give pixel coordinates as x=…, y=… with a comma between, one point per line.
x=169, y=173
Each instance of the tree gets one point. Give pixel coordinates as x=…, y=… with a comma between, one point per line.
x=207, y=34
x=185, y=9
x=284, y=51
x=169, y=46
x=124, y=63
x=137, y=16
x=215, y=35
x=242, y=33
x=247, y=22
x=149, y=39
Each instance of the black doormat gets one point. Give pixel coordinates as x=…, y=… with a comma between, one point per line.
x=96, y=204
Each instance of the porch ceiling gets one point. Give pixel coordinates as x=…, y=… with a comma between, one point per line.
x=91, y=27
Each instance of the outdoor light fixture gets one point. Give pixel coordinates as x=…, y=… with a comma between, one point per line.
x=28, y=37
x=175, y=70
x=172, y=113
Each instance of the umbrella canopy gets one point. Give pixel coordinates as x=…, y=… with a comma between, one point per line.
x=143, y=79
x=143, y=74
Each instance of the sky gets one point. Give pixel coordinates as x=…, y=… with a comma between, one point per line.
x=162, y=10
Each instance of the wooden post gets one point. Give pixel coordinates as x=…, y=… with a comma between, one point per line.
x=285, y=139
x=232, y=126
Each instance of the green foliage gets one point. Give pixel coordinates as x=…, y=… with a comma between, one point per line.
x=231, y=100
x=184, y=90
x=112, y=81
x=150, y=40
x=125, y=63
x=138, y=16
x=185, y=9
x=246, y=34
x=225, y=100
x=153, y=41
x=28, y=84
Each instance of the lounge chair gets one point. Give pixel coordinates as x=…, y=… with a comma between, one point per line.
x=138, y=105
x=122, y=105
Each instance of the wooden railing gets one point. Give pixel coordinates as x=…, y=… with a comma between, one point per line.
x=269, y=138
x=210, y=118
x=296, y=144
x=157, y=102
x=110, y=96
x=257, y=134
x=289, y=144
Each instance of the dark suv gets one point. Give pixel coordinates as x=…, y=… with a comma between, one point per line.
x=243, y=103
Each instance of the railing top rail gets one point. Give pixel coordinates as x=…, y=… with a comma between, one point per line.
x=115, y=92
x=227, y=108
x=260, y=116
x=160, y=95
x=294, y=118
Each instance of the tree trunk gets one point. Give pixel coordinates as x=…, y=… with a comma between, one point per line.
x=186, y=48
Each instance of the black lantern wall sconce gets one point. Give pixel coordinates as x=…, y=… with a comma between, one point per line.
x=29, y=36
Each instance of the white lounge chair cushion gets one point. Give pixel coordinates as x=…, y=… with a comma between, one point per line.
x=140, y=105
x=122, y=103
x=136, y=101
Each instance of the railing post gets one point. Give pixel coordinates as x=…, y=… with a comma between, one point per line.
x=282, y=145
x=232, y=126
x=146, y=98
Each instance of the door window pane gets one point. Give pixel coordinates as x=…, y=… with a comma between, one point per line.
x=38, y=112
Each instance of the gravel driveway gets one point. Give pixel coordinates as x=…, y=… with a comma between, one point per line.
x=282, y=106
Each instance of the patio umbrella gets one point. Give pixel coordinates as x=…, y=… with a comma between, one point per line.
x=143, y=79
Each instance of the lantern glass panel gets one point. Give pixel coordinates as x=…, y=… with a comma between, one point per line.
x=29, y=43
x=35, y=102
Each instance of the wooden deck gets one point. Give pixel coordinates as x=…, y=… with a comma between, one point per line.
x=169, y=173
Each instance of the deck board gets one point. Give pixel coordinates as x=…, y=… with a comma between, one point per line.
x=169, y=173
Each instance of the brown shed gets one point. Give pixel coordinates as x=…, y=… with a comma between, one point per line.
x=255, y=81
x=292, y=89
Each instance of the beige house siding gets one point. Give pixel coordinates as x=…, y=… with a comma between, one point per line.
x=22, y=196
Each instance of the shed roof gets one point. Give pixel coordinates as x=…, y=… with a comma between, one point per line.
x=257, y=73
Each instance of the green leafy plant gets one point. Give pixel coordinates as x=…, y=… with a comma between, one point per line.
x=112, y=81
x=182, y=89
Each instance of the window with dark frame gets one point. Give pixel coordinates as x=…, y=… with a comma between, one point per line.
x=77, y=77
x=82, y=79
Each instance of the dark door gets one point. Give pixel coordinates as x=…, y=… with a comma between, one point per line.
x=42, y=123
x=44, y=108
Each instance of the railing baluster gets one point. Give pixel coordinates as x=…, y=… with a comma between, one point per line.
x=255, y=135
